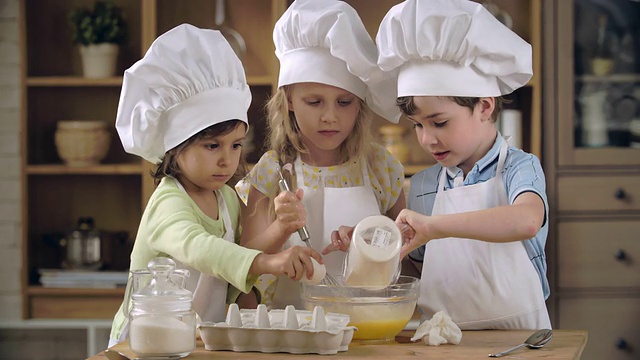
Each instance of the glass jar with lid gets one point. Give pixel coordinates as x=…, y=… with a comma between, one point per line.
x=162, y=321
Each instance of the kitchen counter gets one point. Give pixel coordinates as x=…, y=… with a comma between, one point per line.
x=566, y=344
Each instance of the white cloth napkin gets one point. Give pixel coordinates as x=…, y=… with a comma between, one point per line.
x=439, y=330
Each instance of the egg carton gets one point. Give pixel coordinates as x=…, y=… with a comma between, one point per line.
x=289, y=330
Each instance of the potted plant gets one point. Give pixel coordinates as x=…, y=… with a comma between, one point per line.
x=98, y=32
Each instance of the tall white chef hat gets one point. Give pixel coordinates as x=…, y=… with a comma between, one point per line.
x=325, y=41
x=451, y=48
x=188, y=80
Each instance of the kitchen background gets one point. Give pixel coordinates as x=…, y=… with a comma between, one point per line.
x=580, y=113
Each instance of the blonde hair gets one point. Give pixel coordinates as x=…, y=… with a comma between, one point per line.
x=283, y=135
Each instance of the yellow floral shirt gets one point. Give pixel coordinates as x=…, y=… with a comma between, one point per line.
x=386, y=175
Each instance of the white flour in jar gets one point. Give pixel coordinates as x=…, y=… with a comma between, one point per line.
x=161, y=335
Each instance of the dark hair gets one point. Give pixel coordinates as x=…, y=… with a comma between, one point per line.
x=408, y=107
x=168, y=165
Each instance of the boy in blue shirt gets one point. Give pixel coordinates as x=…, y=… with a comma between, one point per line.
x=478, y=219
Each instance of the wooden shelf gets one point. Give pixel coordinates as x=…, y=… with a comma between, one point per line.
x=615, y=78
x=260, y=80
x=39, y=290
x=73, y=303
x=108, y=169
x=65, y=81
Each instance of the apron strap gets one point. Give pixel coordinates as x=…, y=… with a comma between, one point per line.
x=502, y=157
x=223, y=212
x=297, y=168
x=504, y=146
x=365, y=172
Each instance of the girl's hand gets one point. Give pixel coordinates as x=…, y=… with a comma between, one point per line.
x=290, y=212
x=340, y=240
x=293, y=262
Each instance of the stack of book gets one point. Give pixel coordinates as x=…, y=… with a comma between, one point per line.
x=56, y=278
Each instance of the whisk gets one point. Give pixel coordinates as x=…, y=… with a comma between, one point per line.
x=304, y=233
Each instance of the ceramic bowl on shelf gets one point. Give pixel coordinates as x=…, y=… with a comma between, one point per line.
x=82, y=142
x=379, y=314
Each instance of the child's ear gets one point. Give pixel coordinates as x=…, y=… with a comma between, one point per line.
x=487, y=106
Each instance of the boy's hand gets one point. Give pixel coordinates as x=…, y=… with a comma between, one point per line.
x=293, y=262
x=340, y=239
x=290, y=212
x=410, y=224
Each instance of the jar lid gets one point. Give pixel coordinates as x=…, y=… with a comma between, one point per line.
x=162, y=288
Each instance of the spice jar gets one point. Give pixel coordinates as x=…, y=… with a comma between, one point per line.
x=392, y=138
x=161, y=321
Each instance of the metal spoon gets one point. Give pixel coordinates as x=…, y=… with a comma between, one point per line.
x=116, y=355
x=537, y=340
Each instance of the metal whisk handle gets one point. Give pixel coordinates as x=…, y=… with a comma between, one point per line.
x=302, y=232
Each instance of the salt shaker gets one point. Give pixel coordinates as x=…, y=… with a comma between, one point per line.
x=162, y=321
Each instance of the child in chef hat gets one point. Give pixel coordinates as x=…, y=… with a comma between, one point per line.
x=184, y=107
x=484, y=201
x=319, y=122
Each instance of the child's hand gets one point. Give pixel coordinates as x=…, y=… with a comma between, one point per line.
x=293, y=262
x=340, y=239
x=409, y=223
x=290, y=212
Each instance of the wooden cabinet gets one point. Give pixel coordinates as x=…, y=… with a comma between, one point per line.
x=115, y=192
x=55, y=195
x=592, y=173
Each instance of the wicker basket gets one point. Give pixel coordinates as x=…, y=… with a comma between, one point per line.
x=82, y=142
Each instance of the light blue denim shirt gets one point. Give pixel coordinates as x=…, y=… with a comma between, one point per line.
x=522, y=173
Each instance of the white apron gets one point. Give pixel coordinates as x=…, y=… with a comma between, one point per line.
x=327, y=210
x=481, y=285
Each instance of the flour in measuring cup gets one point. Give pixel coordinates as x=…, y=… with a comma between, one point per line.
x=161, y=335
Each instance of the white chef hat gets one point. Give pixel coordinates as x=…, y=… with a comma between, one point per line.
x=188, y=80
x=451, y=48
x=324, y=41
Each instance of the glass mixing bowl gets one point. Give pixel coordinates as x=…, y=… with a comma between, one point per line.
x=378, y=313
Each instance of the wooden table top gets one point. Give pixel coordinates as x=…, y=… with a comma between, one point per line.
x=566, y=344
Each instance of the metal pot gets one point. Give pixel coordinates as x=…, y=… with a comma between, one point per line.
x=232, y=36
x=82, y=246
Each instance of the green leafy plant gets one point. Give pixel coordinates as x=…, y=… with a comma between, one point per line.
x=104, y=24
